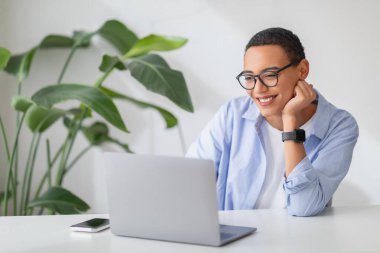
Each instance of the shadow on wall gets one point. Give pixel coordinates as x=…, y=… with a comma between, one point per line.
x=349, y=194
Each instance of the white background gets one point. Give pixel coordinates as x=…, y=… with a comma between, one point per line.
x=340, y=38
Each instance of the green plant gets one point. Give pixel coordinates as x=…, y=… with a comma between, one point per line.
x=40, y=111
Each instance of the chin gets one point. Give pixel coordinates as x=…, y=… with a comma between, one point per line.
x=269, y=112
x=265, y=113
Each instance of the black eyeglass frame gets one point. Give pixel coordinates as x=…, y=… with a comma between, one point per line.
x=276, y=72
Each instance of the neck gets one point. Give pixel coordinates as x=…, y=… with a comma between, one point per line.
x=304, y=116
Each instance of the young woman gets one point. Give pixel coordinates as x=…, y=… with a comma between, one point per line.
x=284, y=145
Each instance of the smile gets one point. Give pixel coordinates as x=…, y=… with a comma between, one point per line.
x=267, y=100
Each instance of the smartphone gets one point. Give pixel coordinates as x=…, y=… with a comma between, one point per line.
x=92, y=226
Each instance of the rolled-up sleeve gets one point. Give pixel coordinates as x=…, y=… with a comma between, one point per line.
x=312, y=183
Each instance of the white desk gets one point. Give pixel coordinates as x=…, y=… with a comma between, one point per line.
x=339, y=229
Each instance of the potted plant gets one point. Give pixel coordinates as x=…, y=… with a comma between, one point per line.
x=40, y=111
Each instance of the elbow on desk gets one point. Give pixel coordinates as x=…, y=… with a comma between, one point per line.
x=305, y=210
x=307, y=203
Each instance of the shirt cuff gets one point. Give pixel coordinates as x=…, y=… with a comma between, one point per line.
x=301, y=177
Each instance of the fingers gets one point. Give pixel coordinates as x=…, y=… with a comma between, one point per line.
x=306, y=91
x=298, y=91
x=304, y=95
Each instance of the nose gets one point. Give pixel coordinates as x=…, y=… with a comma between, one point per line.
x=259, y=86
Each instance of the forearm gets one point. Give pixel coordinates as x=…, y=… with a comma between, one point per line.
x=308, y=191
x=294, y=152
x=313, y=181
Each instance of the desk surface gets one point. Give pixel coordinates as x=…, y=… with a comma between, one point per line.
x=339, y=229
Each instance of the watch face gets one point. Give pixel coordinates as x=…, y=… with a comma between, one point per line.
x=300, y=135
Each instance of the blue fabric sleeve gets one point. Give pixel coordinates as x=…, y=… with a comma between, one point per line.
x=311, y=185
x=210, y=142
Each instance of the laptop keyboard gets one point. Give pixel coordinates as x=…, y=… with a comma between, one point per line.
x=226, y=236
x=225, y=232
x=223, y=227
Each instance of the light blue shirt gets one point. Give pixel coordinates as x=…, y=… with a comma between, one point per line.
x=233, y=140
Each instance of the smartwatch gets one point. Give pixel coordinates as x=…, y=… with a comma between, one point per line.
x=298, y=135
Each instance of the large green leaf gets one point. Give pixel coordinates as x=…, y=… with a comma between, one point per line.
x=21, y=103
x=19, y=65
x=56, y=41
x=4, y=57
x=79, y=39
x=118, y=35
x=154, y=73
x=155, y=42
x=110, y=62
x=97, y=133
x=92, y=97
x=169, y=118
x=61, y=201
x=39, y=118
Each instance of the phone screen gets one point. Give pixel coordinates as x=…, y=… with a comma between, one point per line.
x=93, y=225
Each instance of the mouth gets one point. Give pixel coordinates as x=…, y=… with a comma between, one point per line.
x=266, y=100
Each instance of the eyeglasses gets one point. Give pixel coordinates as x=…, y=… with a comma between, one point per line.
x=268, y=77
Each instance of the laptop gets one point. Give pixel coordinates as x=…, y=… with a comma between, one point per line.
x=165, y=198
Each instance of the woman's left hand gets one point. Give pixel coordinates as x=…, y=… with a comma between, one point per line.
x=304, y=95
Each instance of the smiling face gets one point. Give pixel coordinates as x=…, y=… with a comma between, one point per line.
x=271, y=100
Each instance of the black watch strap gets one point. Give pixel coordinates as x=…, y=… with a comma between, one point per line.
x=298, y=135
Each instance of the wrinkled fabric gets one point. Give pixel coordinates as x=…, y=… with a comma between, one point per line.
x=233, y=140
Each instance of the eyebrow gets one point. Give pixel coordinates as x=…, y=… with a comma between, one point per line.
x=266, y=69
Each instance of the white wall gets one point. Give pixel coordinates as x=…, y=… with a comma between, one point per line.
x=340, y=37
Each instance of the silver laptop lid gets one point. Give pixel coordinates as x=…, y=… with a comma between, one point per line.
x=164, y=198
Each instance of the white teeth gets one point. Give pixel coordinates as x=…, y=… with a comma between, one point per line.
x=264, y=100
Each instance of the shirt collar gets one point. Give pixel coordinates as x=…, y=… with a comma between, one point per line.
x=252, y=112
x=318, y=125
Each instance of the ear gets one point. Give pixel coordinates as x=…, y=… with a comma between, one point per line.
x=303, y=68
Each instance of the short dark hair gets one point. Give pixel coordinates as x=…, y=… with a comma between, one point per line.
x=281, y=37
